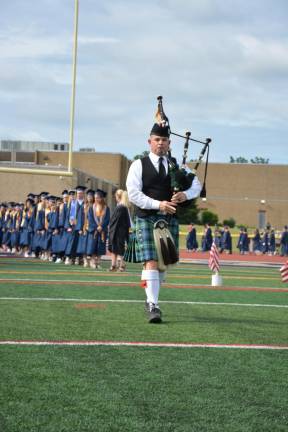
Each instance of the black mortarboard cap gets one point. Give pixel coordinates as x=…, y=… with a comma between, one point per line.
x=72, y=192
x=31, y=195
x=101, y=193
x=44, y=194
x=90, y=192
x=80, y=188
x=65, y=192
x=159, y=130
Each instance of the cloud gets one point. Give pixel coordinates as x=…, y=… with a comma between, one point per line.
x=90, y=40
x=220, y=65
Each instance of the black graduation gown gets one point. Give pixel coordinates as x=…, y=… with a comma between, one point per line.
x=119, y=230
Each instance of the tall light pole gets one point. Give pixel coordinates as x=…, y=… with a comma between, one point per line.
x=73, y=94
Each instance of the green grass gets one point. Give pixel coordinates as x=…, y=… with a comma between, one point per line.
x=141, y=389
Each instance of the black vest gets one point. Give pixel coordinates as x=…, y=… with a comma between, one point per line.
x=153, y=186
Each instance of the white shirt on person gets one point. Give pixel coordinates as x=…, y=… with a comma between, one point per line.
x=134, y=184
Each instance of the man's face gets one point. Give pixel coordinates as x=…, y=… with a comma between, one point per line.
x=159, y=145
x=80, y=195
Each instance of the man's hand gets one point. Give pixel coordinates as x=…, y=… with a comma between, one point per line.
x=168, y=207
x=178, y=197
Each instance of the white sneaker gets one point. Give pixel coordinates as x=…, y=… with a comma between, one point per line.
x=76, y=262
x=85, y=262
x=58, y=261
x=33, y=255
x=68, y=261
x=26, y=254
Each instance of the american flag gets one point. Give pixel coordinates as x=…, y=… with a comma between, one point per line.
x=284, y=272
x=214, y=258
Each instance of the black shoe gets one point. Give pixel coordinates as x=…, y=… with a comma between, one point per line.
x=154, y=314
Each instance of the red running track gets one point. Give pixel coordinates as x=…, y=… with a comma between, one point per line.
x=275, y=259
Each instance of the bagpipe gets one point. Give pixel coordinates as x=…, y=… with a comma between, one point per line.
x=181, y=178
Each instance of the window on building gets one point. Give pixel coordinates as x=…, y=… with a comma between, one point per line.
x=62, y=147
x=261, y=219
x=55, y=146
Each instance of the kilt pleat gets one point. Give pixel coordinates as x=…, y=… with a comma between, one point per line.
x=143, y=247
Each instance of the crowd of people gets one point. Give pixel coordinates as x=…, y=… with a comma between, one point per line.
x=73, y=228
x=264, y=242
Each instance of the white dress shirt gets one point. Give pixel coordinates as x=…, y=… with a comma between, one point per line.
x=134, y=184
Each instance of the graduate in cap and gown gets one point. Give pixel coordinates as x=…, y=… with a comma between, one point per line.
x=7, y=227
x=102, y=218
x=191, y=239
x=62, y=234
x=207, y=239
x=39, y=226
x=226, y=241
x=3, y=207
x=27, y=224
x=284, y=242
x=52, y=224
x=256, y=239
x=87, y=240
x=16, y=216
x=74, y=223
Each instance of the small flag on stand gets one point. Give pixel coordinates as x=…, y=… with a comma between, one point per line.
x=214, y=258
x=284, y=272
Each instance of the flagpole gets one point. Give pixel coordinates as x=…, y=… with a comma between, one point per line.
x=73, y=95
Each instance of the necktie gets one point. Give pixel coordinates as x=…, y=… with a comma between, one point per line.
x=162, y=171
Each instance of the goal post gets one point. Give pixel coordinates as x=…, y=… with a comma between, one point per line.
x=69, y=171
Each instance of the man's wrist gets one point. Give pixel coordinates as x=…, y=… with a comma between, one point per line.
x=155, y=205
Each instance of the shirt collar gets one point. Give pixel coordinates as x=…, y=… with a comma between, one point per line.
x=155, y=159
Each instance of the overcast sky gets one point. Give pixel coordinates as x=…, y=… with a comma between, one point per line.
x=221, y=66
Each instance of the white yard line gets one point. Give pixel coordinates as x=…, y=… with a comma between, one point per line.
x=143, y=344
x=136, y=283
x=80, y=300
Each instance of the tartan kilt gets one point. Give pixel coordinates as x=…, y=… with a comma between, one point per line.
x=143, y=239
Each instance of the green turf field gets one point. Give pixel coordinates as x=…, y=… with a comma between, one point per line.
x=138, y=388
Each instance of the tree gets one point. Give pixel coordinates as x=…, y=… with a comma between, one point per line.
x=256, y=160
x=229, y=222
x=143, y=154
x=239, y=159
x=259, y=160
x=186, y=215
x=209, y=217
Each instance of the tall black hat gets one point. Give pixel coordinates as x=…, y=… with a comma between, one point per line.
x=160, y=130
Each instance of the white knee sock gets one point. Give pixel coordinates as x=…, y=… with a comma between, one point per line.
x=152, y=285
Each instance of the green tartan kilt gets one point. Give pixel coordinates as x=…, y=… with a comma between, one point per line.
x=141, y=245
